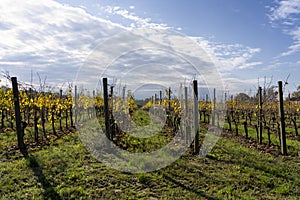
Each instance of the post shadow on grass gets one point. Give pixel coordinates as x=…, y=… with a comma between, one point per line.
x=49, y=192
x=199, y=193
x=254, y=165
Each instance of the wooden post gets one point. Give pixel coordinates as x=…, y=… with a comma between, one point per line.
x=111, y=95
x=187, y=128
x=214, y=108
x=196, y=110
x=71, y=113
x=53, y=120
x=60, y=110
x=123, y=93
x=66, y=118
x=76, y=105
x=106, y=111
x=281, y=117
x=169, y=99
x=35, y=123
x=246, y=129
x=111, y=122
x=205, y=110
x=260, y=114
x=160, y=97
x=29, y=108
x=20, y=132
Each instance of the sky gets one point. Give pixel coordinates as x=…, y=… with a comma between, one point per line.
x=246, y=42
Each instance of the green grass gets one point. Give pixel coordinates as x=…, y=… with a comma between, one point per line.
x=142, y=118
x=66, y=170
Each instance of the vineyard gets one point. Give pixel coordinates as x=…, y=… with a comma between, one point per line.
x=256, y=132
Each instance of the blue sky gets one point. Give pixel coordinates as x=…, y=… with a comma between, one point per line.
x=246, y=40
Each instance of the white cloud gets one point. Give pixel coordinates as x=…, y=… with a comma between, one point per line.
x=292, y=49
x=229, y=56
x=251, y=64
x=139, y=22
x=48, y=37
x=54, y=40
x=235, y=85
x=287, y=13
x=158, y=57
x=132, y=7
x=296, y=45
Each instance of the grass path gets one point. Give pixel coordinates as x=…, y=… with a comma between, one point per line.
x=65, y=170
